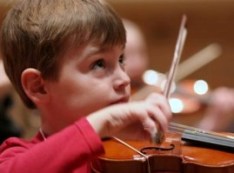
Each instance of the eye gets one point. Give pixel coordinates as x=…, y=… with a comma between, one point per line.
x=122, y=60
x=98, y=64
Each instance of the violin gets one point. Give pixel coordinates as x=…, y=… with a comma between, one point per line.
x=192, y=151
x=179, y=152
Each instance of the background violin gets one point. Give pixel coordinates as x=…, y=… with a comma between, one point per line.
x=189, y=97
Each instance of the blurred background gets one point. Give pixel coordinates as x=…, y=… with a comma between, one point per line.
x=209, y=21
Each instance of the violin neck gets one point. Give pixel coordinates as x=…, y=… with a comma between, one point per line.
x=199, y=136
x=208, y=139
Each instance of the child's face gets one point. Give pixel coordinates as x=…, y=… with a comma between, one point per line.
x=90, y=78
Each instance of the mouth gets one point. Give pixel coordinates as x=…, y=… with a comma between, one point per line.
x=124, y=99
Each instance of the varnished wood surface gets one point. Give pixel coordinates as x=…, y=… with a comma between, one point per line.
x=180, y=158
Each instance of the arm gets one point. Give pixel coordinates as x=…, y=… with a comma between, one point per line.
x=133, y=120
x=65, y=151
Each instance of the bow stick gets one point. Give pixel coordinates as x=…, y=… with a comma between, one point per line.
x=158, y=138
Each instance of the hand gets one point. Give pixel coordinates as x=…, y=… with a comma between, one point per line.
x=133, y=120
x=220, y=113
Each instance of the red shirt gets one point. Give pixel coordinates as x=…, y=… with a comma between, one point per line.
x=69, y=151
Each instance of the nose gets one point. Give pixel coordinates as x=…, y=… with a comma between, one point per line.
x=121, y=80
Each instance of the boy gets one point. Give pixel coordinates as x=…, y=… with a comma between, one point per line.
x=65, y=58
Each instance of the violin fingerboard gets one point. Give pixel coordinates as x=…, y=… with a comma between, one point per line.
x=206, y=139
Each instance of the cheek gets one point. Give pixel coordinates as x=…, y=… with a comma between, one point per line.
x=83, y=94
x=88, y=102
x=92, y=97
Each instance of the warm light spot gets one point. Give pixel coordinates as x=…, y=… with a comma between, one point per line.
x=200, y=87
x=151, y=77
x=176, y=105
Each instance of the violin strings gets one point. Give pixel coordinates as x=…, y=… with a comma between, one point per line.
x=129, y=146
x=180, y=128
x=134, y=149
x=175, y=129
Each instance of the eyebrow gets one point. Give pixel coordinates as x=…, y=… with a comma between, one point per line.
x=93, y=49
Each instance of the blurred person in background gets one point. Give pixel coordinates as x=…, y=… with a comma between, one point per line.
x=7, y=126
x=219, y=113
x=136, y=53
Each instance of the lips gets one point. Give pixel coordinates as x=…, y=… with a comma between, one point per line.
x=121, y=100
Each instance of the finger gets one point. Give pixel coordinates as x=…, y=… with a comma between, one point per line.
x=160, y=101
x=150, y=126
x=158, y=117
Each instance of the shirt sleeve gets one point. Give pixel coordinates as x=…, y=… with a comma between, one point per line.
x=69, y=150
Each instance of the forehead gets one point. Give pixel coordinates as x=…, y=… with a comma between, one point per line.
x=89, y=49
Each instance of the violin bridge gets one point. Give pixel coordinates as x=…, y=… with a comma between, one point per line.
x=138, y=157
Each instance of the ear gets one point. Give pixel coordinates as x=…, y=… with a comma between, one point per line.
x=34, y=85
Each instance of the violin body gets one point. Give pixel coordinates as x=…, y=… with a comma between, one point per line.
x=173, y=155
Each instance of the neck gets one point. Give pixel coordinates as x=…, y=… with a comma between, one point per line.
x=43, y=135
